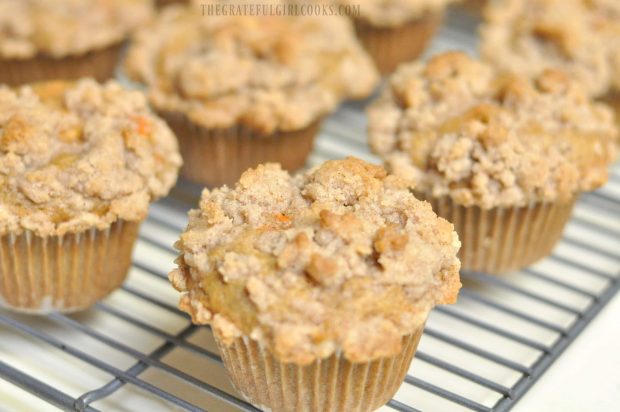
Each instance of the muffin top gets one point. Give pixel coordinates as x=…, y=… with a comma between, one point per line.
x=341, y=258
x=79, y=155
x=580, y=37
x=389, y=13
x=267, y=73
x=61, y=28
x=458, y=127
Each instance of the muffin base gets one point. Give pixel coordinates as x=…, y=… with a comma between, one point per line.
x=472, y=6
x=64, y=273
x=98, y=64
x=328, y=385
x=391, y=46
x=215, y=157
x=163, y=3
x=501, y=240
x=612, y=99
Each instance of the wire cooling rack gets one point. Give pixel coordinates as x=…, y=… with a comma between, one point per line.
x=136, y=351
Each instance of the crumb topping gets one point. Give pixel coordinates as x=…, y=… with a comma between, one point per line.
x=389, y=13
x=457, y=127
x=340, y=258
x=580, y=37
x=80, y=155
x=268, y=73
x=62, y=28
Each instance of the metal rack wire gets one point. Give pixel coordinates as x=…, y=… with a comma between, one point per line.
x=166, y=216
x=136, y=351
x=589, y=237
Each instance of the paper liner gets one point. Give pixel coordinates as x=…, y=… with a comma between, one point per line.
x=612, y=99
x=391, y=46
x=503, y=239
x=98, y=64
x=64, y=273
x=472, y=6
x=219, y=156
x=164, y=3
x=329, y=385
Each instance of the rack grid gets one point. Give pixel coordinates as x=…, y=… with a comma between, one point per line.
x=136, y=351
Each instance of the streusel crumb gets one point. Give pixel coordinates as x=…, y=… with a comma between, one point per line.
x=457, y=127
x=267, y=73
x=80, y=155
x=340, y=258
x=61, y=28
x=581, y=37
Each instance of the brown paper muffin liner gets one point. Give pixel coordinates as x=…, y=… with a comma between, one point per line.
x=64, y=273
x=612, y=99
x=503, y=239
x=219, y=156
x=164, y=3
x=472, y=6
x=328, y=385
x=391, y=46
x=98, y=64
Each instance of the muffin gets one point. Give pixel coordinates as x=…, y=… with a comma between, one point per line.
x=396, y=31
x=501, y=156
x=79, y=164
x=580, y=37
x=317, y=286
x=242, y=90
x=65, y=39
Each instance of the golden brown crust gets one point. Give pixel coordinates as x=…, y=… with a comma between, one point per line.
x=456, y=126
x=340, y=258
x=61, y=28
x=581, y=37
x=267, y=73
x=80, y=155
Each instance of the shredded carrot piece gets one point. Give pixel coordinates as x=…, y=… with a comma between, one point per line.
x=144, y=125
x=283, y=218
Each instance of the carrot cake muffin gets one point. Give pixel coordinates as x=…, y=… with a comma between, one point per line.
x=317, y=279
x=396, y=31
x=242, y=90
x=581, y=37
x=503, y=157
x=65, y=39
x=79, y=164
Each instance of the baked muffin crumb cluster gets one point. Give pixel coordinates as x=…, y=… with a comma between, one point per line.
x=341, y=257
x=62, y=28
x=80, y=155
x=458, y=127
x=581, y=37
x=268, y=73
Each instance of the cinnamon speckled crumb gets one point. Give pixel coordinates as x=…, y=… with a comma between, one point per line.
x=61, y=28
x=267, y=73
x=340, y=258
x=581, y=37
x=457, y=127
x=80, y=155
